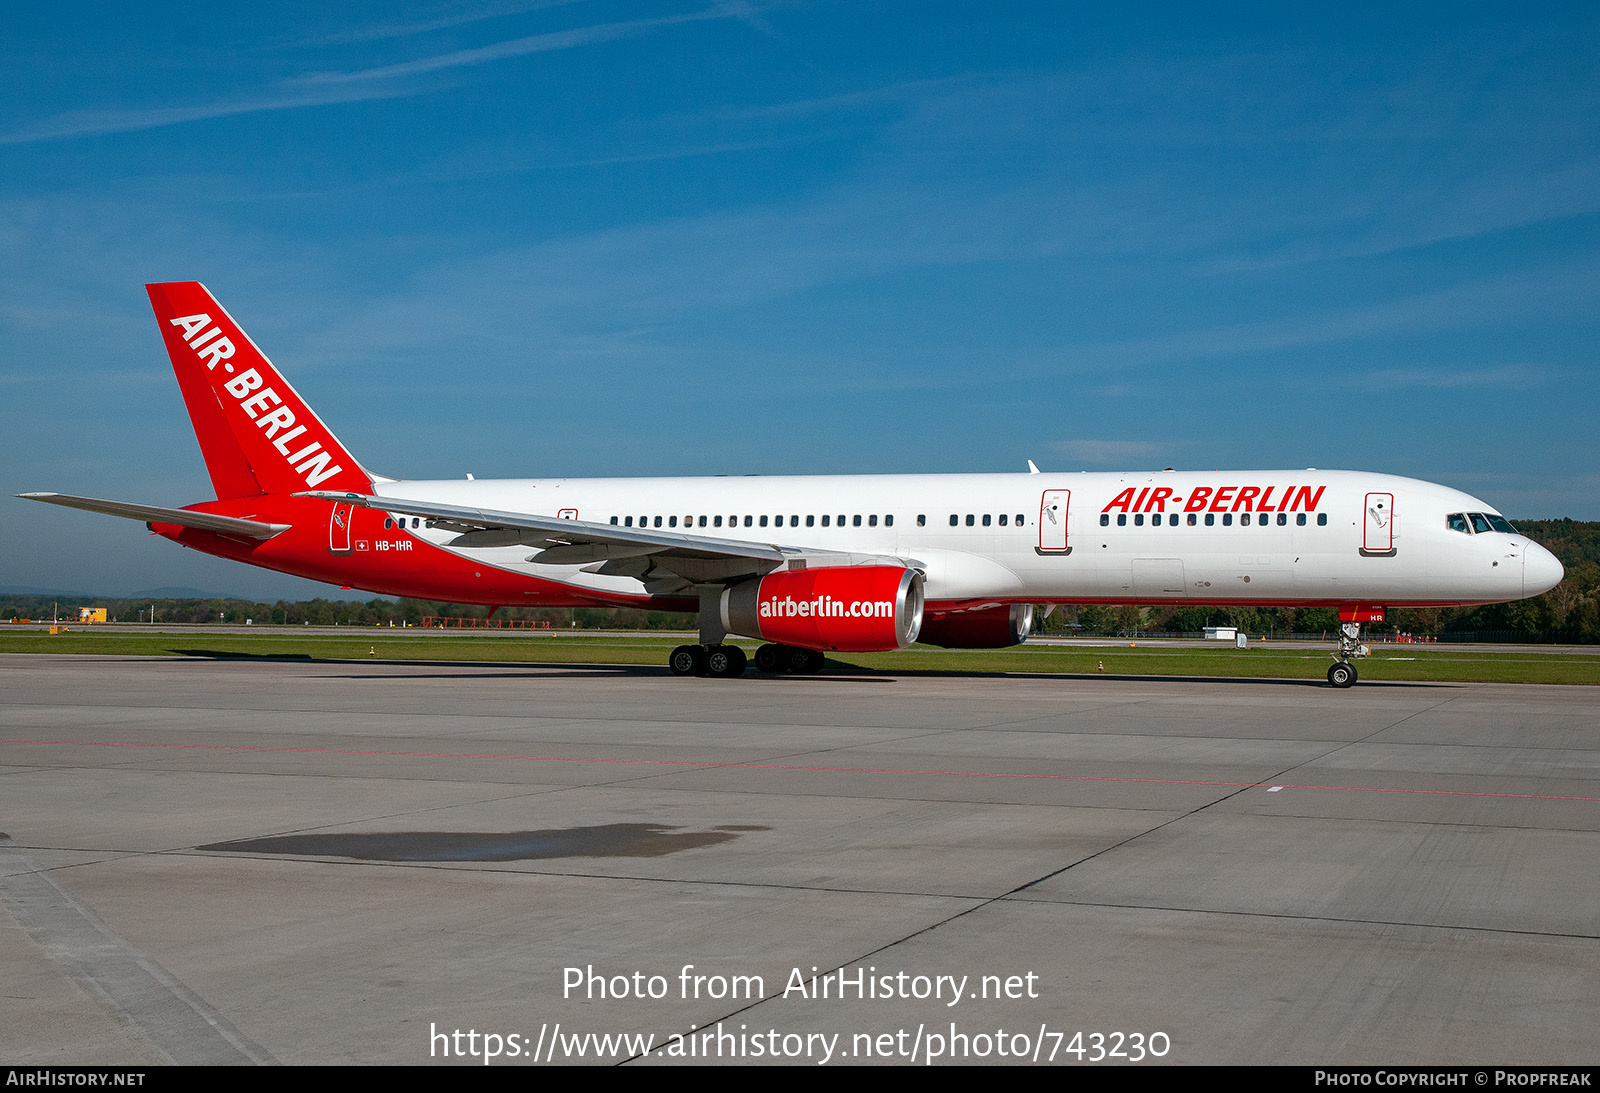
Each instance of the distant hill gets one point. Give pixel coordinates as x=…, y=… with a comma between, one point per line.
x=79, y=596
x=18, y=590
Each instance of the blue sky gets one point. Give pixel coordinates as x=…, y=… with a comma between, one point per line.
x=584, y=238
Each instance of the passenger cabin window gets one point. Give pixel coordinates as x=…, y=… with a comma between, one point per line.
x=1105, y=519
x=922, y=519
x=1122, y=519
x=1300, y=519
x=1192, y=520
x=613, y=519
x=888, y=521
x=811, y=521
x=1322, y=519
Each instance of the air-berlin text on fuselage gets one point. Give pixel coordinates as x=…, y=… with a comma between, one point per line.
x=1218, y=499
x=825, y=607
x=311, y=461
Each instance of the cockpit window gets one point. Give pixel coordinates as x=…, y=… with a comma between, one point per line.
x=1457, y=521
x=1500, y=523
x=1480, y=522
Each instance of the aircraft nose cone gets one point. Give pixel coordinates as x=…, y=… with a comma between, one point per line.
x=1540, y=570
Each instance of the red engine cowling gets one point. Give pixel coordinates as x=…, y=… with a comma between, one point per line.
x=990, y=628
x=849, y=609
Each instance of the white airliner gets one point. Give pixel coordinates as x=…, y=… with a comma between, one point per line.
x=812, y=564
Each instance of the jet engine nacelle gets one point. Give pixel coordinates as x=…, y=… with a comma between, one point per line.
x=849, y=609
x=990, y=628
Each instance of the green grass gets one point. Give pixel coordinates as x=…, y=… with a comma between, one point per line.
x=1406, y=662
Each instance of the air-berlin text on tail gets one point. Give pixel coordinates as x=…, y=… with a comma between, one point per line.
x=265, y=407
x=1218, y=499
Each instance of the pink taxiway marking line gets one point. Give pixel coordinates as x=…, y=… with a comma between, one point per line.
x=794, y=767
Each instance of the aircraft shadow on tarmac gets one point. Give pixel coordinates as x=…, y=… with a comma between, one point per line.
x=835, y=672
x=841, y=674
x=601, y=841
x=224, y=654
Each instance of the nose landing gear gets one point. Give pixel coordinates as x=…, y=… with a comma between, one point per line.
x=1343, y=673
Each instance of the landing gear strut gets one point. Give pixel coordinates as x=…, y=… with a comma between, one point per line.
x=1343, y=673
x=712, y=658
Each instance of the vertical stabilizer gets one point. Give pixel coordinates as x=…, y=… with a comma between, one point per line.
x=256, y=433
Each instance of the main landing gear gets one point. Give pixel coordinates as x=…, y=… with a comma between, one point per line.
x=777, y=659
x=718, y=661
x=728, y=661
x=1343, y=673
x=712, y=658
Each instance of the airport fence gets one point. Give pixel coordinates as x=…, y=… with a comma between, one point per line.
x=453, y=622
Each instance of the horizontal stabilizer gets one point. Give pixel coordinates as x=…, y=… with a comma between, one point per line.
x=155, y=514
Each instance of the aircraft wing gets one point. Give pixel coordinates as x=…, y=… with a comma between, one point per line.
x=606, y=548
x=155, y=514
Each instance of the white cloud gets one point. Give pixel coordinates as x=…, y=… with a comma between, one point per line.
x=327, y=88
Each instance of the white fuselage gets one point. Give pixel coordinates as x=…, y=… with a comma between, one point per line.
x=1312, y=537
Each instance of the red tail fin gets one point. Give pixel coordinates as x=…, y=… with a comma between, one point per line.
x=256, y=434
